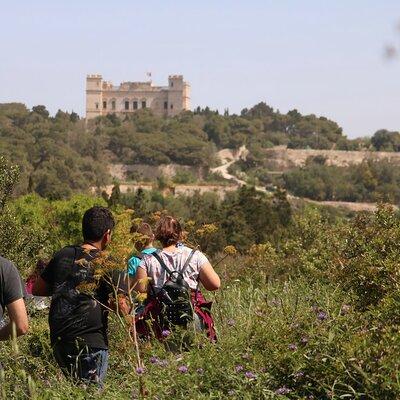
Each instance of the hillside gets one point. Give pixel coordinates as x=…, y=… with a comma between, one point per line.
x=62, y=155
x=287, y=159
x=282, y=158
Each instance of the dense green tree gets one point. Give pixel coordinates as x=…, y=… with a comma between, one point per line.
x=41, y=110
x=57, y=156
x=260, y=110
x=115, y=197
x=384, y=140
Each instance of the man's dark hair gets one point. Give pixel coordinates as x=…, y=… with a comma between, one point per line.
x=96, y=222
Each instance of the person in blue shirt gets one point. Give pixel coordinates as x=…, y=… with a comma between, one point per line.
x=143, y=241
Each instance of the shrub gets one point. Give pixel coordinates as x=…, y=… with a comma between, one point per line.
x=369, y=265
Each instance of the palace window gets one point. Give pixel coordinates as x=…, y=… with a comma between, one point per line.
x=172, y=84
x=97, y=106
x=135, y=105
x=126, y=105
x=144, y=104
x=104, y=104
x=165, y=105
x=113, y=104
x=172, y=106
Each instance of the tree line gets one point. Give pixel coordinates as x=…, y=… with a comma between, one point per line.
x=60, y=155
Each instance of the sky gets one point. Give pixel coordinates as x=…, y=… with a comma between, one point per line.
x=320, y=57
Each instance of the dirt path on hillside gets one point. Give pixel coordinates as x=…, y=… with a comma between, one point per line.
x=228, y=157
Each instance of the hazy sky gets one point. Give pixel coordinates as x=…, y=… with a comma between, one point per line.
x=321, y=57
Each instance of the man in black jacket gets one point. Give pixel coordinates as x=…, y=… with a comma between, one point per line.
x=77, y=318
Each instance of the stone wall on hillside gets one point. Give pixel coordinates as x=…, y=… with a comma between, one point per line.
x=176, y=190
x=281, y=158
x=143, y=172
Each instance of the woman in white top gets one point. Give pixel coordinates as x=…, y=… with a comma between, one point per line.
x=169, y=232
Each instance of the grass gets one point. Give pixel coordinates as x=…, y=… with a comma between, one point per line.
x=271, y=340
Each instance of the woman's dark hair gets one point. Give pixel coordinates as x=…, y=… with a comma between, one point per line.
x=168, y=231
x=96, y=222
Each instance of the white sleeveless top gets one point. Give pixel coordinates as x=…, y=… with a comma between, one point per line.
x=174, y=261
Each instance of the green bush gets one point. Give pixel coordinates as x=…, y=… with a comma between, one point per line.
x=183, y=176
x=369, y=265
x=18, y=241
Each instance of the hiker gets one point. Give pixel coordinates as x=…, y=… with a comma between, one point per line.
x=77, y=318
x=37, y=302
x=12, y=300
x=175, y=268
x=144, y=244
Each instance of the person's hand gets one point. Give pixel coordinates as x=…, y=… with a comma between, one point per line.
x=122, y=306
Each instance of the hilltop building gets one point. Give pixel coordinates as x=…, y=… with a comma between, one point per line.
x=103, y=97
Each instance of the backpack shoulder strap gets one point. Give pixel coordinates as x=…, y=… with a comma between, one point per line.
x=188, y=260
x=162, y=263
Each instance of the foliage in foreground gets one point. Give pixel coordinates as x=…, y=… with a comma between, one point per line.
x=312, y=316
x=294, y=340
x=294, y=321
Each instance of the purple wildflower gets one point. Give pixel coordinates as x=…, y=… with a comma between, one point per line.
x=282, y=390
x=165, y=333
x=183, y=369
x=304, y=340
x=140, y=370
x=231, y=392
x=239, y=368
x=322, y=316
x=231, y=322
x=292, y=347
x=200, y=371
x=250, y=375
x=154, y=360
x=298, y=374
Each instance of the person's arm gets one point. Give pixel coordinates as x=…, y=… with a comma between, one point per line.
x=133, y=265
x=139, y=282
x=209, y=278
x=43, y=283
x=122, y=306
x=117, y=285
x=41, y=288
x=18, y=320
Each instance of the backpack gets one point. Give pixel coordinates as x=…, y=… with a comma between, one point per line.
x=174, y=296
